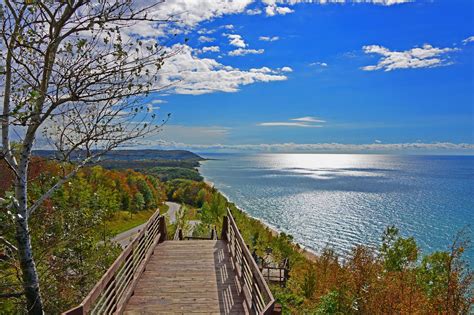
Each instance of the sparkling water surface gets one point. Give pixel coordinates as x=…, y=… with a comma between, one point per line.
x=342, y=200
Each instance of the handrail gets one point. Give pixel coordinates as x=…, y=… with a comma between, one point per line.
x=178, y=235
x=112, y=292
x=214, y=233
x=282, y=274
x=257, y=294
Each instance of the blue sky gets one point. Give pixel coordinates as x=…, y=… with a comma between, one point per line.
x=375, y=74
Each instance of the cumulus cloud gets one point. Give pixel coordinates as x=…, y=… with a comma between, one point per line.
x=293, y=2
x=243, y=52
x=188, y=74
x=273, y=10
x=280, y=7
x=255, y=11
x=318, y=63
x=426, y=56
x=191, y=12
x=206, y=31
x=286, y=69
x=269, y=38
x=205, y=39
x=236, y=40
x=210, y=49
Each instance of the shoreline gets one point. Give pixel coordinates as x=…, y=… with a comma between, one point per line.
x=308, y=253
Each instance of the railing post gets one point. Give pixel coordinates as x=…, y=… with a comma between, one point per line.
x=163, y=230
x=76, y=311
x=109, y=293
x=225, y=227
x=212, y=234
x=114, y=289
x=180, y=234
x=277, y=309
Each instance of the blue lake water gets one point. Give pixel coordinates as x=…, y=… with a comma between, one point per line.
x=342, y=200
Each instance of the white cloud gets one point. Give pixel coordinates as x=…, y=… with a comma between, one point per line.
x=468, y=40
x=206, y=31
x=286, y=69
x=188, y=74
x=236, y=40
x=287, y=124
x=191, y=12
x=384, y=2
x=152, y=108
x=243, y=52
x=293, y=2
x=273, y=10
x=309, y=119
x=159, y=102
x=268, y=38
x=274, y=7
x=185, y=15
x=205, y=39
x=210, y=49
x=318, y=63
x=378, y=141
x=418, y=57
x=263, y=70
x=306, y=122
x=253, y=11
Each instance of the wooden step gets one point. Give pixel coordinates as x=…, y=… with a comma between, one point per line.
x=188, y=277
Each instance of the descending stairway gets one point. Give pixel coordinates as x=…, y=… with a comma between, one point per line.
x=188, y=277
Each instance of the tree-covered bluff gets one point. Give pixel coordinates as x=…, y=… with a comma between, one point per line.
x=71, y=231
x=166, y=165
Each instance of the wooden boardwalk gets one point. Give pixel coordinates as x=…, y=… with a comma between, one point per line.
x=188, y=277
x=155, y=275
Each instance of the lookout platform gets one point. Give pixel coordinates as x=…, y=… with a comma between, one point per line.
x=154, y=275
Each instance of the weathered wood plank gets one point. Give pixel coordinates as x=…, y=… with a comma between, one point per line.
x=188, y=277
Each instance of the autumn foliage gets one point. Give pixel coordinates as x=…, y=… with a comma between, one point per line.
x=391, y=279
x=70, y=230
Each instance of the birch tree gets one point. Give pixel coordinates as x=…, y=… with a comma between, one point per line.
x=72, y=79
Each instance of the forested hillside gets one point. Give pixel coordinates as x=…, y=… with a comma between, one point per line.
x=138, y=159
x=164, y=164
x=72, y=230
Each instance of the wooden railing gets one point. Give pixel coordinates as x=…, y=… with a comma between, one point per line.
x=257, y=295
x=112, y=292
x=276, y=274
x=178, y=235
